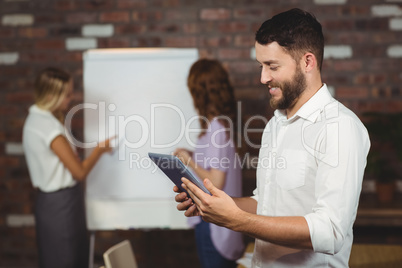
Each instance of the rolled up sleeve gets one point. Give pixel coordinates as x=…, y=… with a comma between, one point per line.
x=338, y=183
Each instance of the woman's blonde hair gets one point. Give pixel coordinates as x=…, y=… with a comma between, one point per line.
x=51, y=88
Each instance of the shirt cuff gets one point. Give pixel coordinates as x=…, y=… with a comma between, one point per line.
x=321, y=233
x=255, y=197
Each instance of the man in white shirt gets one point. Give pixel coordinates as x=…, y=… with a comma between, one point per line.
x=304, y=206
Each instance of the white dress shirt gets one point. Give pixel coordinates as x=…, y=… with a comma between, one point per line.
x=312, y=165
x=46, y=170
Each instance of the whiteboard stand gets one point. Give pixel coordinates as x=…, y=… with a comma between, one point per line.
x=91, y=249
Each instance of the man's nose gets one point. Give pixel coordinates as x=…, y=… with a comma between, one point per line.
x=265, y=76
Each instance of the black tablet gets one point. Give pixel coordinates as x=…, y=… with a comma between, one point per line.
x=175, y=170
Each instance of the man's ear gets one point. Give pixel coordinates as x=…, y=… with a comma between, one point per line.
x=309, y=62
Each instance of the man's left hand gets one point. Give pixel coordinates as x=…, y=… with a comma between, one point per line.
x=218, y=208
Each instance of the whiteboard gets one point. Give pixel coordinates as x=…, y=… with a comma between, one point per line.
x=139, y=95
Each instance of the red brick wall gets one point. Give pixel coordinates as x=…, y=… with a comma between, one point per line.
x=363, y=36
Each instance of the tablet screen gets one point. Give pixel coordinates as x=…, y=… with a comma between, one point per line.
x=175, y=170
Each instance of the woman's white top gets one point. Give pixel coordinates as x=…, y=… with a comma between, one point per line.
x=47, y=172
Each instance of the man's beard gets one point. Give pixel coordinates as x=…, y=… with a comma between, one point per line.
x=291, y=91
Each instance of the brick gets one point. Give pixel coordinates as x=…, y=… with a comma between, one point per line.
x=335, y=78
x=180, y=15
x=15, y=220
x=13, y=148
x=116, y=16
x=395, y=24
x=207, y=27
x=49, y=18
x=7, y=33
x=49, y=44
x=206, y=53
x=80, y=43
x=14, y=72
x=251, y=94
x=376, y=24
x=127, y=29
x=244, y=40
x=240, y=82
x=190, y=41
x=65, y=30
x=145, y=16
x=250, y=14
x=16, y=45
x=130, y=4
x=372, y=51
x=12, y=185
x=17, y=20
x=382, y=64
x=19, y=97
x=393, y=106
x=9, y=58
x=347, y=65
x=394, y=51
x=34, y=56
x=385, y=37
x=386, y=10
x=216, y=41
x=31, y=32
x=98, y=5
x=82, y=17
x=338, y=25
x=98, y=30
x=370, y=79
x=353, y=10
x=233, y=53
x=9, y=162
x=164, y=28
x=243, y=67
x=352, y=92
x=190, y=28
x=396, y=92
x=113, y=43
x=149, y=41
x=215, y=14
x=329, y=2
x=165, y=3
x=338, y=52
x=233, y=27
x=66, y=5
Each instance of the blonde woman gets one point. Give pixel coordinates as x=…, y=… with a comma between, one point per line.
x=56, y=173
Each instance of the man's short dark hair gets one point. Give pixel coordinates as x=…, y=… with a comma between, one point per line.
x=297, y=31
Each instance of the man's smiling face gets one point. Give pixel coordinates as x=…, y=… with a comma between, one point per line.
x=282, y=75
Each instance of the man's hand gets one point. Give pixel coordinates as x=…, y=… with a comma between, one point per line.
x=218, y=208
x=185, y=203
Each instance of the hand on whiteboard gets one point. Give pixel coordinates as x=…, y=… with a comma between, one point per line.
x=106, y=145
x=185, y=203
x=218, y=208
x=184, y=155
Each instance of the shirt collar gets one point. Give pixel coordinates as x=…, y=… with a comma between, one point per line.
x=311, y=109
x=36, y=110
